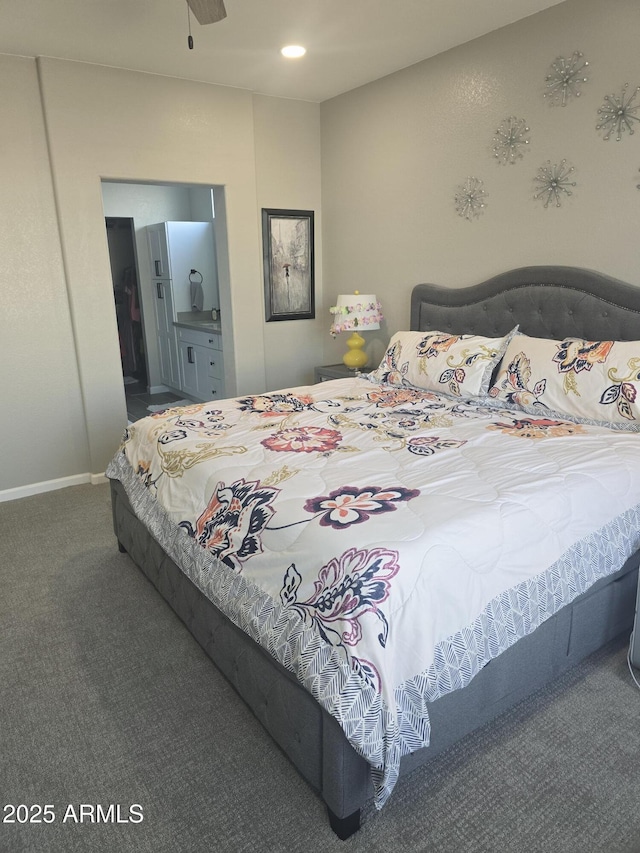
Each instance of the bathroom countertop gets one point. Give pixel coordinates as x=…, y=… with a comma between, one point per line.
x=199, y=321
x=199, y=325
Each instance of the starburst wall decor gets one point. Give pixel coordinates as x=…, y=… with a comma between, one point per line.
x=510, y=140
x=553, y=182
x=470, y=199
x=565, y=78
x=618, y=113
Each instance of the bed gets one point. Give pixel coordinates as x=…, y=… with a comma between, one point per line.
x=382, y=564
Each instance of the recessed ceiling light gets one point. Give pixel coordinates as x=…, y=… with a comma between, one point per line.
x=293, y=51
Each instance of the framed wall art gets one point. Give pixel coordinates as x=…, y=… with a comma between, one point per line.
x=287, y=251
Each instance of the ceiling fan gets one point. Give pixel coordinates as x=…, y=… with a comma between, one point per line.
x=207, y=11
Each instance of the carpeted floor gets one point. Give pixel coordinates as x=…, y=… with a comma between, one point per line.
x=106, y=699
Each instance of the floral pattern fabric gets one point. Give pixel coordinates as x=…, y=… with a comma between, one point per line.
x=459, y=365
x=358, y=529
x=594, y=380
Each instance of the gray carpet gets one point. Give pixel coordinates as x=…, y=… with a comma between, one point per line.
x=106, y=699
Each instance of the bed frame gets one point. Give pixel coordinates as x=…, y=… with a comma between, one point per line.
x=550, y=302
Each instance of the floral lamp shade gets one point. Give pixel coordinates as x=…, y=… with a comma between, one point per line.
x=355, y=313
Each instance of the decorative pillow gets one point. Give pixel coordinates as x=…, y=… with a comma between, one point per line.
x=592, y=380
x=459, y=365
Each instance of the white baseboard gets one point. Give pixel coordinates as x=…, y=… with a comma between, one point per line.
x=50, y=486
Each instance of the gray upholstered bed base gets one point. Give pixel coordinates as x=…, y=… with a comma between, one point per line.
x=312, y=739
x=547, y=302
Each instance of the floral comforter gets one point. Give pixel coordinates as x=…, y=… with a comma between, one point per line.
x=383, y=543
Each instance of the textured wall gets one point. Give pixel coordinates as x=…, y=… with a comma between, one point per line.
x=287, y=135
x=393, y=153
x=108, y=124
x=42, y=428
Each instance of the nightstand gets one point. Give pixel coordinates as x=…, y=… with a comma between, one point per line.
x=336, y=371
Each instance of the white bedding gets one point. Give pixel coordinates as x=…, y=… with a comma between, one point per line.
x=383, y=543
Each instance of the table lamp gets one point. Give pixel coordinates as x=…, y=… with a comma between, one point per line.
x=355, y=312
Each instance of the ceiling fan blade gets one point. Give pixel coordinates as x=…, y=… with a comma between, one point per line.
x=208, y=11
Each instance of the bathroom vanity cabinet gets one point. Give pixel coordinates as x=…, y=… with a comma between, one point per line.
x=201, y=364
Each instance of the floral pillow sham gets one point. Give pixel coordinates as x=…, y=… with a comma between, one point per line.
x=592, y=380
x=458, y=365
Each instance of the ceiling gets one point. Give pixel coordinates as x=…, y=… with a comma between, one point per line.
x=349, y=42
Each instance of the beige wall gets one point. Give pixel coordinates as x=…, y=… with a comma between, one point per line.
x=42, y=428
x=287, y=135
x=393, y=153
x=104, y=123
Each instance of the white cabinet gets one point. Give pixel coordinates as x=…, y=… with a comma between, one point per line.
x=178, y=248
x=166, y=333
x=201, y=364
x=159, y=251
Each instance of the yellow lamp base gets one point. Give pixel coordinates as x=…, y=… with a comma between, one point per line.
x=355, y=357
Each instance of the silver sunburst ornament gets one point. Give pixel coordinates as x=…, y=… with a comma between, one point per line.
x=510, y=140
x=553, y=182
x=565, y=78
x=618, y=113
x=470, y=199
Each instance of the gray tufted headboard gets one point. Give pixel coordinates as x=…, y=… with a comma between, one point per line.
x=546, y=301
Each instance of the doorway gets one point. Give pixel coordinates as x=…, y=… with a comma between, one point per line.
x=126, y=294
x=124, y=275
x=139, y=206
